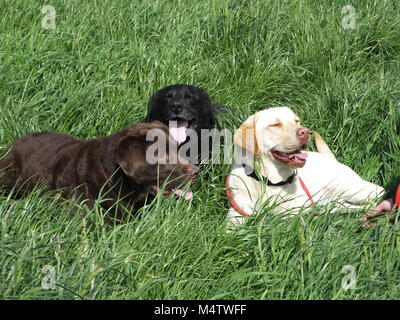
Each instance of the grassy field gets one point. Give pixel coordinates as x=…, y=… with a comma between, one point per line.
x=93, y=75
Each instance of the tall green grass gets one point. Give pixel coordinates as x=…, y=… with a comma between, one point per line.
x=94, y=74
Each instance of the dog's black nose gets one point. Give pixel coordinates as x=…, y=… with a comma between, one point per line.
x=176, y=107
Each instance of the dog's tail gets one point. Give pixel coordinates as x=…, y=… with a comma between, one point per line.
x=321, y=145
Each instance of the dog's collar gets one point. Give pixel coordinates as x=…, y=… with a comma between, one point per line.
x=254, y=176
x=268, y=182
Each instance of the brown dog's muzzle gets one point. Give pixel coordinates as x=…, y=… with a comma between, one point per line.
x=192, y=171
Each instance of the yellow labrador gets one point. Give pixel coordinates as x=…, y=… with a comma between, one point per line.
x=282, y=173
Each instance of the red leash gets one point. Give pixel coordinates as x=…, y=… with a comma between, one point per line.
x=303, y=185
x=230, y=198
x=238, y=209
x=397, y=198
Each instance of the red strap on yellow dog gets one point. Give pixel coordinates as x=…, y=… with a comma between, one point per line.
x=397, y=198
x=303, y=185
x=230, y=198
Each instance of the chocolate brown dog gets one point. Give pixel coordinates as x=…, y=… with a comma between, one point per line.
x=114, y=166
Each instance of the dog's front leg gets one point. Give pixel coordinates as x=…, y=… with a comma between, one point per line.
x=355, y=190
x=234, y=219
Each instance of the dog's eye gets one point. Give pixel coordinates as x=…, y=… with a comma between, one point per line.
x=188, y=97
x=277, y=124
x=168, y=95
x=297, y=120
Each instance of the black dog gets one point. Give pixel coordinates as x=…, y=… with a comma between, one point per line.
x=183, y=107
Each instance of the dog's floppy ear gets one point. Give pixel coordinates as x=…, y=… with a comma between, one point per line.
x=245, y=136
x=130, y=156
x=151, y=106
x=130, y=153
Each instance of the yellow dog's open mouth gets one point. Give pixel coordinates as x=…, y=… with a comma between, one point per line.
x=294, y=159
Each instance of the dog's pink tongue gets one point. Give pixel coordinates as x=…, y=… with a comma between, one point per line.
x=177, y=129
x=300, y=155
x=187, y=195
